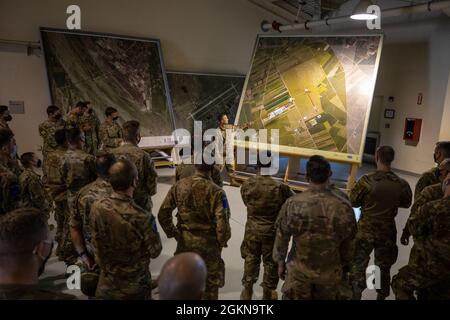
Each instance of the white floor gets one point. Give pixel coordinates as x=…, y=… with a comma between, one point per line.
x=54, y=274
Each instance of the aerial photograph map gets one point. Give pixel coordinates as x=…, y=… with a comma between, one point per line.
x=316, y=90
x=124, y=73
x=202, y=97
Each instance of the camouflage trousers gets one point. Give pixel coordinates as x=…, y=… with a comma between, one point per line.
x=207, y=247
x=66, y=250
x=416, y=258
x=110, y=287
x=413, y=278
x=299, y=287
x=91, y=144
x=254, y=248
x=385, y=249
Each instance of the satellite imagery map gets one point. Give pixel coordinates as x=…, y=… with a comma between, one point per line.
x=316, y=90
x=123, y=73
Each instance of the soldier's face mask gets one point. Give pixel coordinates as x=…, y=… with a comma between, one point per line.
x=7, y=117
x=116, y=118
x=38, y=163
x=47, y=245
x=57, y=116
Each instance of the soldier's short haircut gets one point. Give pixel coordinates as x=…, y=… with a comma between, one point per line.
x=73, y=135
x=318, y=169
x=6, y=136
x=131, y=129
x=122, y=174
x=220, y=116
x=21, y=230
x=3, y=109
x=52, y=109
x=26, y=158
x=109, y=111
x=103, y=163
x=60, y=137
x=444, y=147
x=386, y=154
x=81, y=104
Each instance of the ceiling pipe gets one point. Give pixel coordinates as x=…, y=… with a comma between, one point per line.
x=395, y=12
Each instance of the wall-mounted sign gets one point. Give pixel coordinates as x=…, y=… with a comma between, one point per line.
x=389, y=113
x=17, y=107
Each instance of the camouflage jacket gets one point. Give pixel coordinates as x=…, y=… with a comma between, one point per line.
x=146, y=169
x=47, y=131
x=4, y=124
x=80, y=217
x=322, y=227
x=428, y=194
x=427, y=178
x=433, y=219
x=30, y=292
x=380, y=194
x=74, y=121
x=185, y=170
x=110, y=135
x=32, y=191
x=263, y=196
x=125, y=238
x=202, y=208
x=10, y=190
x=78, y=169
x=90, y=126
x=54, y=182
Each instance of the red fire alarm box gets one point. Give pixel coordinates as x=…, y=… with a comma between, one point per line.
x=412, y=129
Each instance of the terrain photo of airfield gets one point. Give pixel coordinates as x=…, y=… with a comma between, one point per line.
x=315, y=90
x=202, y=97
x=123, y=73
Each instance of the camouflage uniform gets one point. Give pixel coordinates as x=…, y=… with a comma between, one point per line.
x=56, y=190
x=90, y=126
x=147, y=175
x=30, y=292
x=125, y=238
x=433, y=224
x=202, y=225
x=263, y=197
x=32, y=192
x=78, y=170
x=10, y=190
x=110, y=135
x=379, y=194
x=47, y=131
x=185, y=170
x=74, y=120
x=4, y=124
x=427, y=178
x=322, y=226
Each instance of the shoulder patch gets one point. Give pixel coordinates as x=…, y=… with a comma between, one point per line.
x=225, y=202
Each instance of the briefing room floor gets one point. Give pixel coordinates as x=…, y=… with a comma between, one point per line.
x=54, y=274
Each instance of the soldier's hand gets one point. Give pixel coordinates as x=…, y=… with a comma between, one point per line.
x=404, y=239
x=282, y=270
x=88, y=261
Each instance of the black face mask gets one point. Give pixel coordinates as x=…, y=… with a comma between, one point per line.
x=90, y=111
x=7, y=118
x=116, y=118
x=58, y=116
x=39, y=163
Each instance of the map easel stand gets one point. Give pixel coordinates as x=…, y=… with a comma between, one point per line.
x=293, y=168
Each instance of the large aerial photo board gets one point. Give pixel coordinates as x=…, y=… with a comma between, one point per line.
x=316, y=90
x=122, y=72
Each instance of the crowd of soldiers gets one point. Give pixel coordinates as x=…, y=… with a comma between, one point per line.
x=98, y=185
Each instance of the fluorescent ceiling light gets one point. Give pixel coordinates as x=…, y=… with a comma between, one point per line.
x=360, y=11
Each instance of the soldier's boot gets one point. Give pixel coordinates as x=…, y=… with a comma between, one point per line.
x=247, y=292
x=269, y=294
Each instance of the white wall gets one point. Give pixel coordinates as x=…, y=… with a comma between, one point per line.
x=196, y=35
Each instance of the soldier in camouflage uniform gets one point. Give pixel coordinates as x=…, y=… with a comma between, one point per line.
x=124, y=237
x=322, y=226
x=80, y=220
x=263, y=196
x=24, y=241
x=187, y=169
x=5, y=117
x=78, y=170
x=431, y=177
x=48, y=128
x=74, y=116
x=129, y=149
x=432, y=224
x=379, y=194
x=55, y=186
x=90, y=125
x=110, y=131
x=9, y=181
x=32, y=190
x=202, y=223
